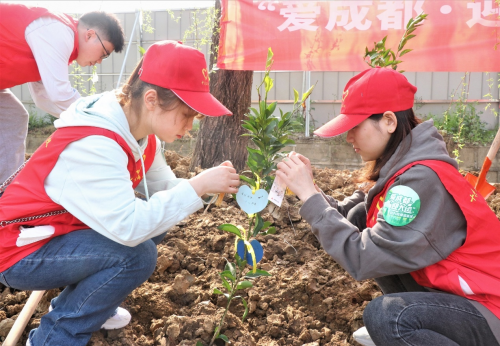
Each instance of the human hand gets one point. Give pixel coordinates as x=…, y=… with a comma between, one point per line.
x=226, y=164
x=305, y=160
x=297, y=175
x=220, y=179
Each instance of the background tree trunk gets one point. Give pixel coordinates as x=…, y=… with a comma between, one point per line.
x=219, y=137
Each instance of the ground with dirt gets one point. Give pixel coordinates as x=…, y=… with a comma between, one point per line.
x=308, y=300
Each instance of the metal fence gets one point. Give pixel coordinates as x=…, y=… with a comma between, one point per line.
x=434, y=95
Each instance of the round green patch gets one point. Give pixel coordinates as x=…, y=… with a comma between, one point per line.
x=401, y=205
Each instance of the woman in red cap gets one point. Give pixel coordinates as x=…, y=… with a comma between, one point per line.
x=83, y=179
x=427, y=237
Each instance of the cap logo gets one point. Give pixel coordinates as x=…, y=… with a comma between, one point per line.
x=344, y=96
x=205, y=75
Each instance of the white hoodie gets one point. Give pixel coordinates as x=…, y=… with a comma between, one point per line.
x=91, y=180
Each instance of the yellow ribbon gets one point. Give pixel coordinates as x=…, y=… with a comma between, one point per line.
x=252, y=253
x=244, y=231
x=257, y=184
x=248, y=246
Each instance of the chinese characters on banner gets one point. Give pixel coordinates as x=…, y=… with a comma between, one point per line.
x=332, y=35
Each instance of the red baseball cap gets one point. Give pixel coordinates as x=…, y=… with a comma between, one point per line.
x=373, y=91
x=182, y=69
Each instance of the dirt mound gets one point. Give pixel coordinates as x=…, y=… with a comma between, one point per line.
x=308, y=300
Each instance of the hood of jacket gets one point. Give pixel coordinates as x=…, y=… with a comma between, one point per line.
x=425, y=143
x=104, y=111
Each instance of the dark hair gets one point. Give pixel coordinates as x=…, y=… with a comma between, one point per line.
x=406, y=121
x=108, y=27
x=134, y=88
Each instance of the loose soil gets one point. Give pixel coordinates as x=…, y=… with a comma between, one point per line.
x=308, y=300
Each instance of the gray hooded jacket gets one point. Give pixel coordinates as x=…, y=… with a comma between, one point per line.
x=438, y=229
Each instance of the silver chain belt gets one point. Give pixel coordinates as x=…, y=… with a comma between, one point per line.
x=31, y=218
x=9, y=179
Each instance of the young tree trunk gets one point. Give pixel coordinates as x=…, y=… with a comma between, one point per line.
x=219, y=138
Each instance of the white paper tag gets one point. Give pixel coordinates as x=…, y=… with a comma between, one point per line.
x=34, y=234
x=277, y=192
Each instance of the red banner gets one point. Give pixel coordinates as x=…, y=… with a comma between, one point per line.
x=458, y=35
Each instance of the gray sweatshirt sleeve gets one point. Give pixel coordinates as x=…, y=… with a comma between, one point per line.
x=438, y=229
x=344, y=206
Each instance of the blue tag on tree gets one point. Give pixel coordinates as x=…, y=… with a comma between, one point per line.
x=257, y=248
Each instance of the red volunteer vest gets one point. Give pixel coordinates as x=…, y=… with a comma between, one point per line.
x=17, y=63
x=26, y=195
x=473, y=270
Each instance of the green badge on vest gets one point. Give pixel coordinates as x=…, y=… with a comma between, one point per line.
x=401, y=205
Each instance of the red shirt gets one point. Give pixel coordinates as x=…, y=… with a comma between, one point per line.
x=17, y=63
x=26, y=197
x=473, y=270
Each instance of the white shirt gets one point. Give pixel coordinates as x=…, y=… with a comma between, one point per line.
x=52, y=43
x=91, y=180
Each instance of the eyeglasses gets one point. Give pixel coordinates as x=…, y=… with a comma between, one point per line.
x=107, y=54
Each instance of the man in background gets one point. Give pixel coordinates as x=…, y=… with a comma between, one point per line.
x=36, y=47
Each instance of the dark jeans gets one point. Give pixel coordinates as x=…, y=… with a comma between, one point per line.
x=408, y=314
x=98, y=274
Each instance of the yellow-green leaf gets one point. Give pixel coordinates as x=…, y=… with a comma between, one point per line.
x=296, y=96
x=307, y=93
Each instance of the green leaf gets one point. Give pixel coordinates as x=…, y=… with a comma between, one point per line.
x=245, y=314
x=257, y=274
x=268, y=82
x=266, y=224
x=230, y=228
x=248, y=180
x=239, y=261
x=250, y=128
x=295, y=96
x=257, y=158
x=259, y=223
x=244, y=284
x=307, y=93
x=269, y=60
x=268, y=169
x=253, y=151
x=271, y=230
x=254, y=111
x=409, y=37
x=231, y=268
x=262, y=107
x=199, y=343
x=405, y=51
x=217, y=291
x=142, y=50
x=225, y=283
x=259, y=144
x=223, y=337
x=228, y=274
x=272, y=107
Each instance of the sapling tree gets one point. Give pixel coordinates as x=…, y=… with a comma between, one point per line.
x=386, y=57
x=270, y=135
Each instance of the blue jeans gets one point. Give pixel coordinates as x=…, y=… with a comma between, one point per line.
x=98, y=274
x=408, y=314
x=426, y=318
